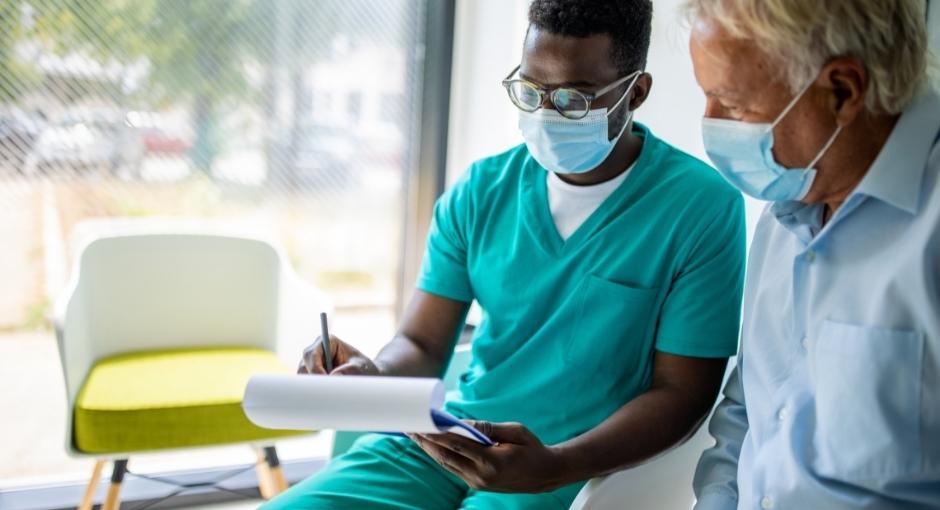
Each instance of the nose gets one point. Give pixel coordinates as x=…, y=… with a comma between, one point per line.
x=713, y=109
x=547, y=102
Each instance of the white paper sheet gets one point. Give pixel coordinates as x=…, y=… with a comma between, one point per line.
x=359, y=403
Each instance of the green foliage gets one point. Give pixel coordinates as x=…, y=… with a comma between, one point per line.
x=15, y=75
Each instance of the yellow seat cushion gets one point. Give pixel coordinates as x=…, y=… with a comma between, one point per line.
x=170, y=399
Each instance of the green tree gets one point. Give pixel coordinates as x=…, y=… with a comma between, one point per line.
x=15, y=75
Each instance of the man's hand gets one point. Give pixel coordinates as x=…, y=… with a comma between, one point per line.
x=519, y=462
x=347, y=360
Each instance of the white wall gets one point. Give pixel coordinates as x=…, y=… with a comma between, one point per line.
x=487, y=45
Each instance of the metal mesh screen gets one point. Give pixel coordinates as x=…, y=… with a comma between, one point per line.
x=292, y=116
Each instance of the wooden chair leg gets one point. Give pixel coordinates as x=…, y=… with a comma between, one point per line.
x=277, y=474
x=113, y=500
x=89, y=498
x=265, y=481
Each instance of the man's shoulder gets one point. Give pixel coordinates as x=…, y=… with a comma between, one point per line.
x=498, y=171
x=501, y=165
x=690, y=179
x=690, y=172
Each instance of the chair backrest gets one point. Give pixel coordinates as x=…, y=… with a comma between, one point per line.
x=148, y=292
x=161, y=291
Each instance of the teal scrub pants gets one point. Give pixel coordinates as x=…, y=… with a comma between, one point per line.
x=392, y=473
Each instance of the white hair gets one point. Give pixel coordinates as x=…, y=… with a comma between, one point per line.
x=889, y=37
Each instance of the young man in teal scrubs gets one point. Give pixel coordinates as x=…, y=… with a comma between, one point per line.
x=609, y=268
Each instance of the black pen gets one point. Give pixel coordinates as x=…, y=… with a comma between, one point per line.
x=325, y=335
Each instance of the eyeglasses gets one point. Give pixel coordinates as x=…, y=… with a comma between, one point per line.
x=570, y=103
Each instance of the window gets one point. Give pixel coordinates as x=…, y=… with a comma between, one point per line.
x=269, y=115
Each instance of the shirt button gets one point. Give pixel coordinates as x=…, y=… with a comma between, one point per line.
x=766, y=503
x=782, y=414
x=810, y=256
x=804, y=342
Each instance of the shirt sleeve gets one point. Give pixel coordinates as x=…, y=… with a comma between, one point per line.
x=715, y=482
x=701, y=314
x=444, y=267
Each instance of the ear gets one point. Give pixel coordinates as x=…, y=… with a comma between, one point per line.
x=641, y=90
x=847, y=82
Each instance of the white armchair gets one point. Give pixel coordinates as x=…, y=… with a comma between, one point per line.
x=142, y=288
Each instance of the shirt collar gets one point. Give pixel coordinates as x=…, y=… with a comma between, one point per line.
x=802, y=219
x=896, y=175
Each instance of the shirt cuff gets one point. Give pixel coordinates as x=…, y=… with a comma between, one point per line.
x=716, y=500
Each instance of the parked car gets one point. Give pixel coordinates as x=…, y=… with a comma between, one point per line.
x=100, y=141
x=18, y=133
x=161, y=136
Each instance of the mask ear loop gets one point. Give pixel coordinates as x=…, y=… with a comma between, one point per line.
x=796, y=99
x=832, y=140
x=626, y=92
x=626, y=121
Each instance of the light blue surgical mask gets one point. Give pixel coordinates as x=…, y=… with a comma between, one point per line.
x=567, y=146
x=743, y=154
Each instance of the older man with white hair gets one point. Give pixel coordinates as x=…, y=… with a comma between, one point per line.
x=824, y=109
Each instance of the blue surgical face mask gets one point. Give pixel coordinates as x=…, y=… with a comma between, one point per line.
x=743, y=153
x=567, y=146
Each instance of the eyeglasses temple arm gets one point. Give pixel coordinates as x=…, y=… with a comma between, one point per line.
x=508, y=76
x=612, y=86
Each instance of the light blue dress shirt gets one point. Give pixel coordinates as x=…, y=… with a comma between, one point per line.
x=835, y=400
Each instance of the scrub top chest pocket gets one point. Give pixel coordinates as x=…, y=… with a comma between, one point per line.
x=613, y=325
x=868, y=401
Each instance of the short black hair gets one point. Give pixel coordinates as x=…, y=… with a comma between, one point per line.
x=627, y=22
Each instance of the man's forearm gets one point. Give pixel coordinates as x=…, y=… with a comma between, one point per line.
x=649, y=424
x=404, y=357
x=425, y=339
x=715, y=482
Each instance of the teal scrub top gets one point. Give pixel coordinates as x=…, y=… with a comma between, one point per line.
x=570, y=326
